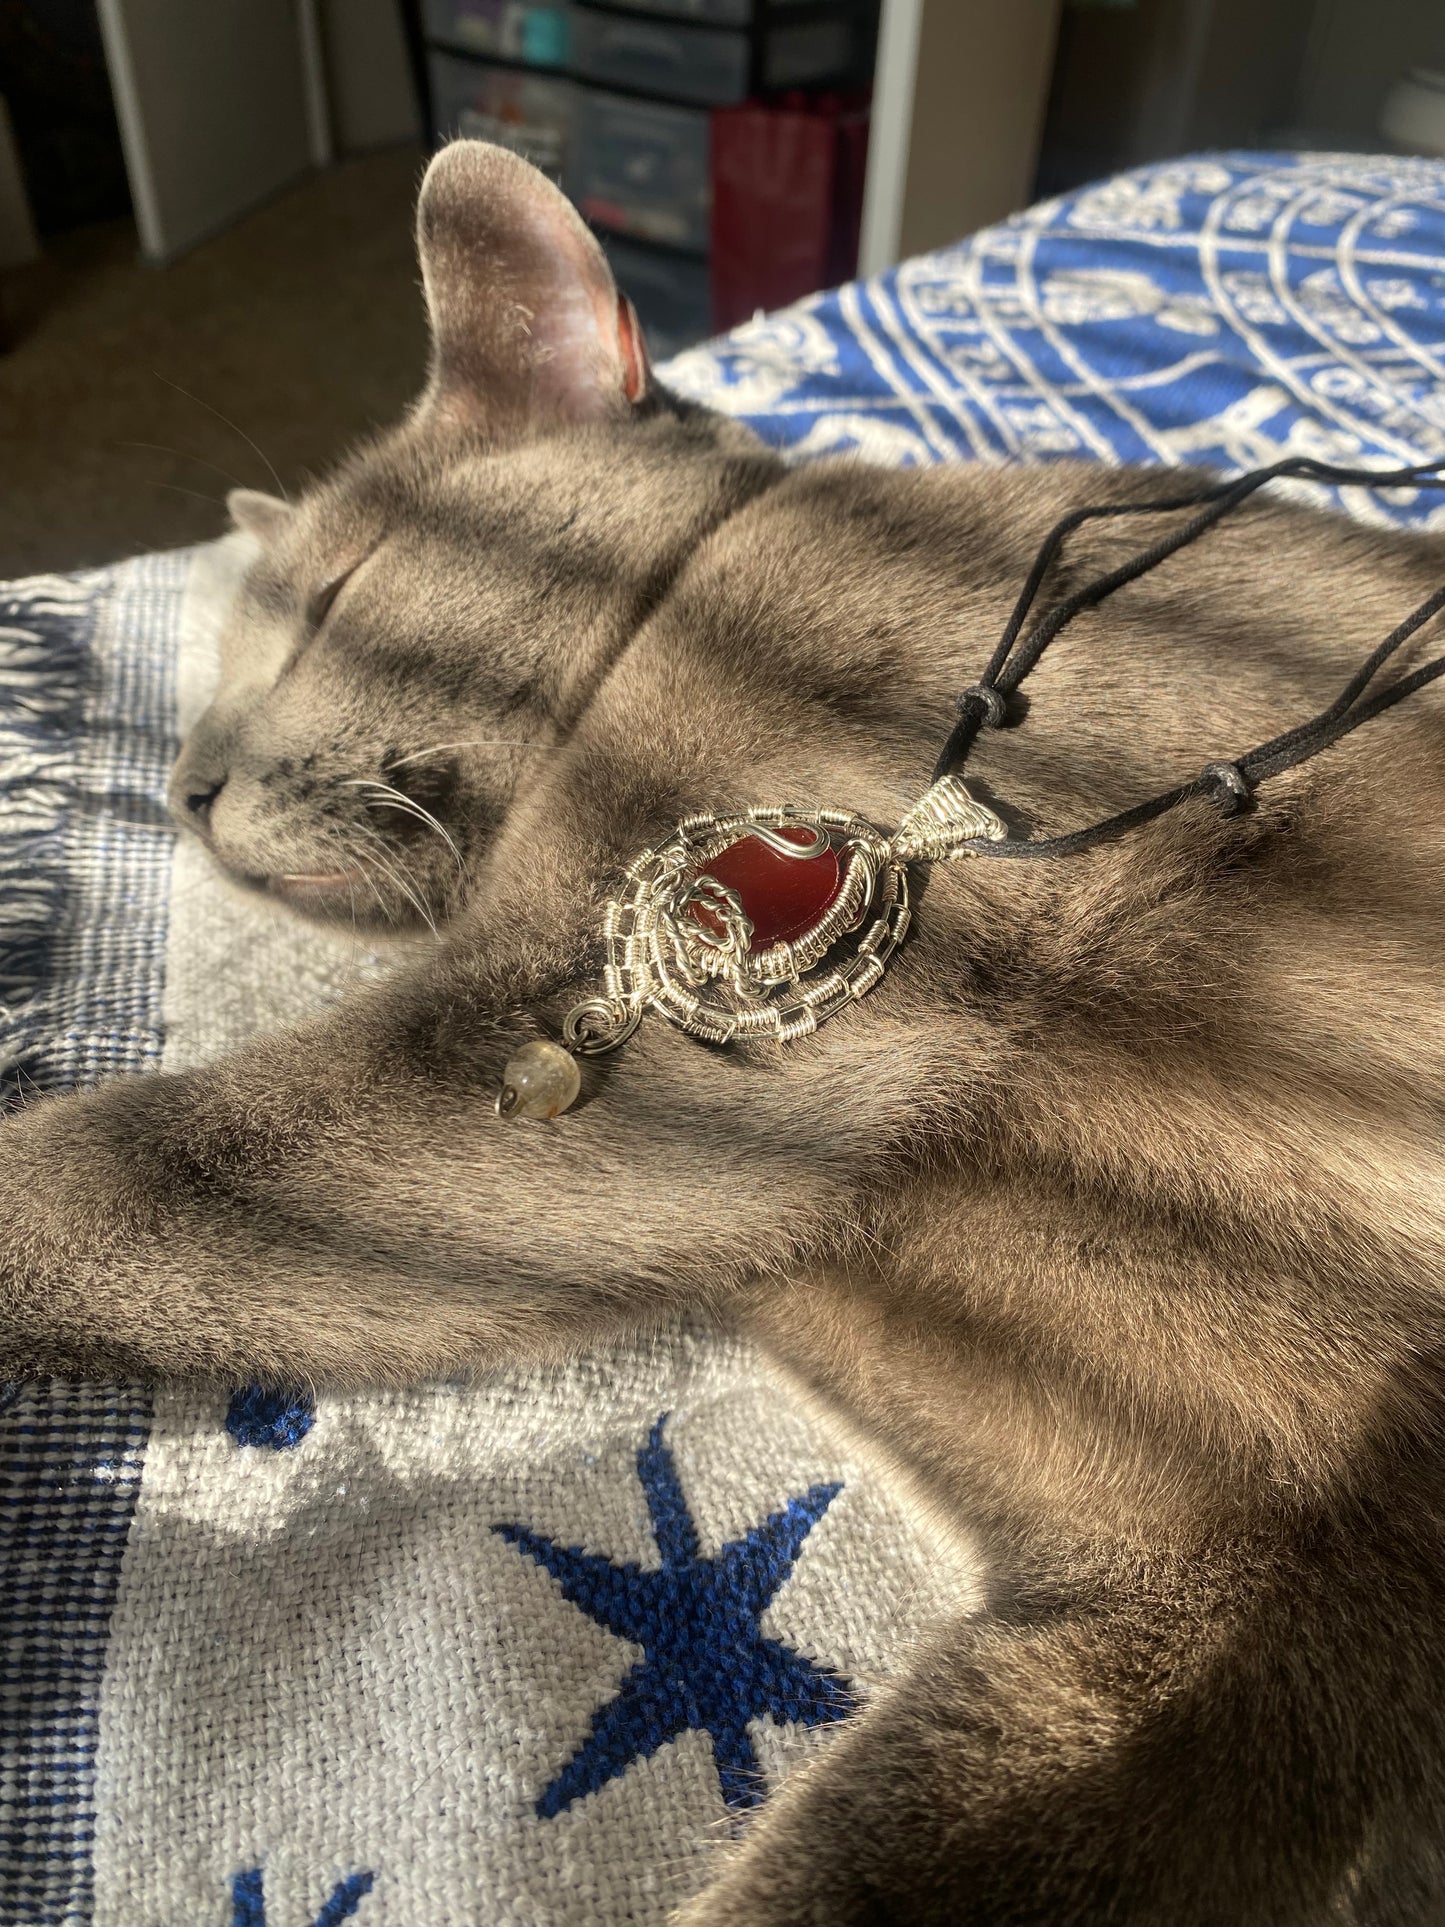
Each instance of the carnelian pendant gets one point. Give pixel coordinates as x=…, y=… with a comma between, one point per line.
x=781, y=896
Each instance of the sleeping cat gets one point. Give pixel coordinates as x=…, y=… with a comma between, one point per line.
x=1114, y=1212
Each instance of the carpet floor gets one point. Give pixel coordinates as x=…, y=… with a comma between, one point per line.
x=132, y=397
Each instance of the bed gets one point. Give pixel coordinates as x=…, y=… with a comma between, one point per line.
x=295, y=1661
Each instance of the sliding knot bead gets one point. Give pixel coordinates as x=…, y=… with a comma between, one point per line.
x=1228, y=785
x=540, y=1080
x=986, y=703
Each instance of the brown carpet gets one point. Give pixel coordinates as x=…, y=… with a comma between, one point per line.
x=302, y=325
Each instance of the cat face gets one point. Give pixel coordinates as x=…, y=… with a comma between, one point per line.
x=421, y=628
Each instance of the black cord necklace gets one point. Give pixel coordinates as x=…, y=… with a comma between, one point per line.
x=765, y=922
x=1232, y=783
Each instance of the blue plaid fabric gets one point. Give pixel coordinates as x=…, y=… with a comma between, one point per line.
x=86, y=737
x=1223, y=310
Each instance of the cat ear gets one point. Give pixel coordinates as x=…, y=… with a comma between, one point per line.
x=528, y=329
x=259, y=514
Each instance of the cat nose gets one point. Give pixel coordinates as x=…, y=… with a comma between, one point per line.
x=199, y=800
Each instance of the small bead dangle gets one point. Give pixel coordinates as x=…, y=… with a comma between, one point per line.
x=540, y=1080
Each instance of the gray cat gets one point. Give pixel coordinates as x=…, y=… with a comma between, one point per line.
x=1115, y=1211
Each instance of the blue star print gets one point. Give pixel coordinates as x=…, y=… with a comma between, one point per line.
x=248, y=1899
x=707, y=1664
x=279, y=1420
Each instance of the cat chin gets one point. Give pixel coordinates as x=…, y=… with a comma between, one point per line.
x=324, y=896
x=321, y=885
x=257, y=902
x=318, y=896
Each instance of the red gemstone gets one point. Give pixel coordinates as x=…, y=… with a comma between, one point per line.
x=783, y=896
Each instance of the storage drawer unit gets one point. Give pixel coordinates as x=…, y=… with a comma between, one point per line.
x=533, y=114
x=623, y=119
x=641, y=168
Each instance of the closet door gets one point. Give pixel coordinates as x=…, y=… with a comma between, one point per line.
x=220, y=103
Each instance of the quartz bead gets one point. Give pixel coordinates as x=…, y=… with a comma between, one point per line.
x=541, y=1080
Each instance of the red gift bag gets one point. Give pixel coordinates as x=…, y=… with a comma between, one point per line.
x=787, y=198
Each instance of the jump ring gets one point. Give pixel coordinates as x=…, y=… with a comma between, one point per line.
x=600, y=1024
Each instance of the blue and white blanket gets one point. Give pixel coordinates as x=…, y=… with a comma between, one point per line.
x=387, y=1658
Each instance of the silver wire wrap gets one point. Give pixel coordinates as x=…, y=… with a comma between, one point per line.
x=712, y=986
x=706, y=980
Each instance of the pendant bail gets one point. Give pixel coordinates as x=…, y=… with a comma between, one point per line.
x=943, y=820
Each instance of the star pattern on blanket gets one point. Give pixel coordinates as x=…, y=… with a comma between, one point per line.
x=707, y=1663
x=248, y=1899
x=276, y=1421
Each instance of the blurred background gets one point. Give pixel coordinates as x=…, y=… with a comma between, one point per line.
x=206, y=270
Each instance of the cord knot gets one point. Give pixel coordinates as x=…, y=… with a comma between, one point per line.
x=983, y=701
x=1228, y=785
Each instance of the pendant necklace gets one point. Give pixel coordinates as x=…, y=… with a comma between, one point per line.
x=766, y=922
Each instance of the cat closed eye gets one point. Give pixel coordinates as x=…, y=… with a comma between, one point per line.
x=325, y=594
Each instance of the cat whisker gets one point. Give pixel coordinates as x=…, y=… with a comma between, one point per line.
x=159, y=448
x=370, y=883
x=176, y=489
x=390, y=874
x=334, y=839
x=355, y=868
x=476, y=742
x=382, y=857
x=234, y=428
x=396, y=800
x=384, y=909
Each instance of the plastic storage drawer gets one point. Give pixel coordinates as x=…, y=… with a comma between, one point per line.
x=671, y=292
x=710, y=13
x=710, y=64
x=714, y=13
x=641, y=168
x=705, y=64
x=535, y=32
x=530, y=113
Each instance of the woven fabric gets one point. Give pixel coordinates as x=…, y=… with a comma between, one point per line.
x=525, y=1652
x=87, y=732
